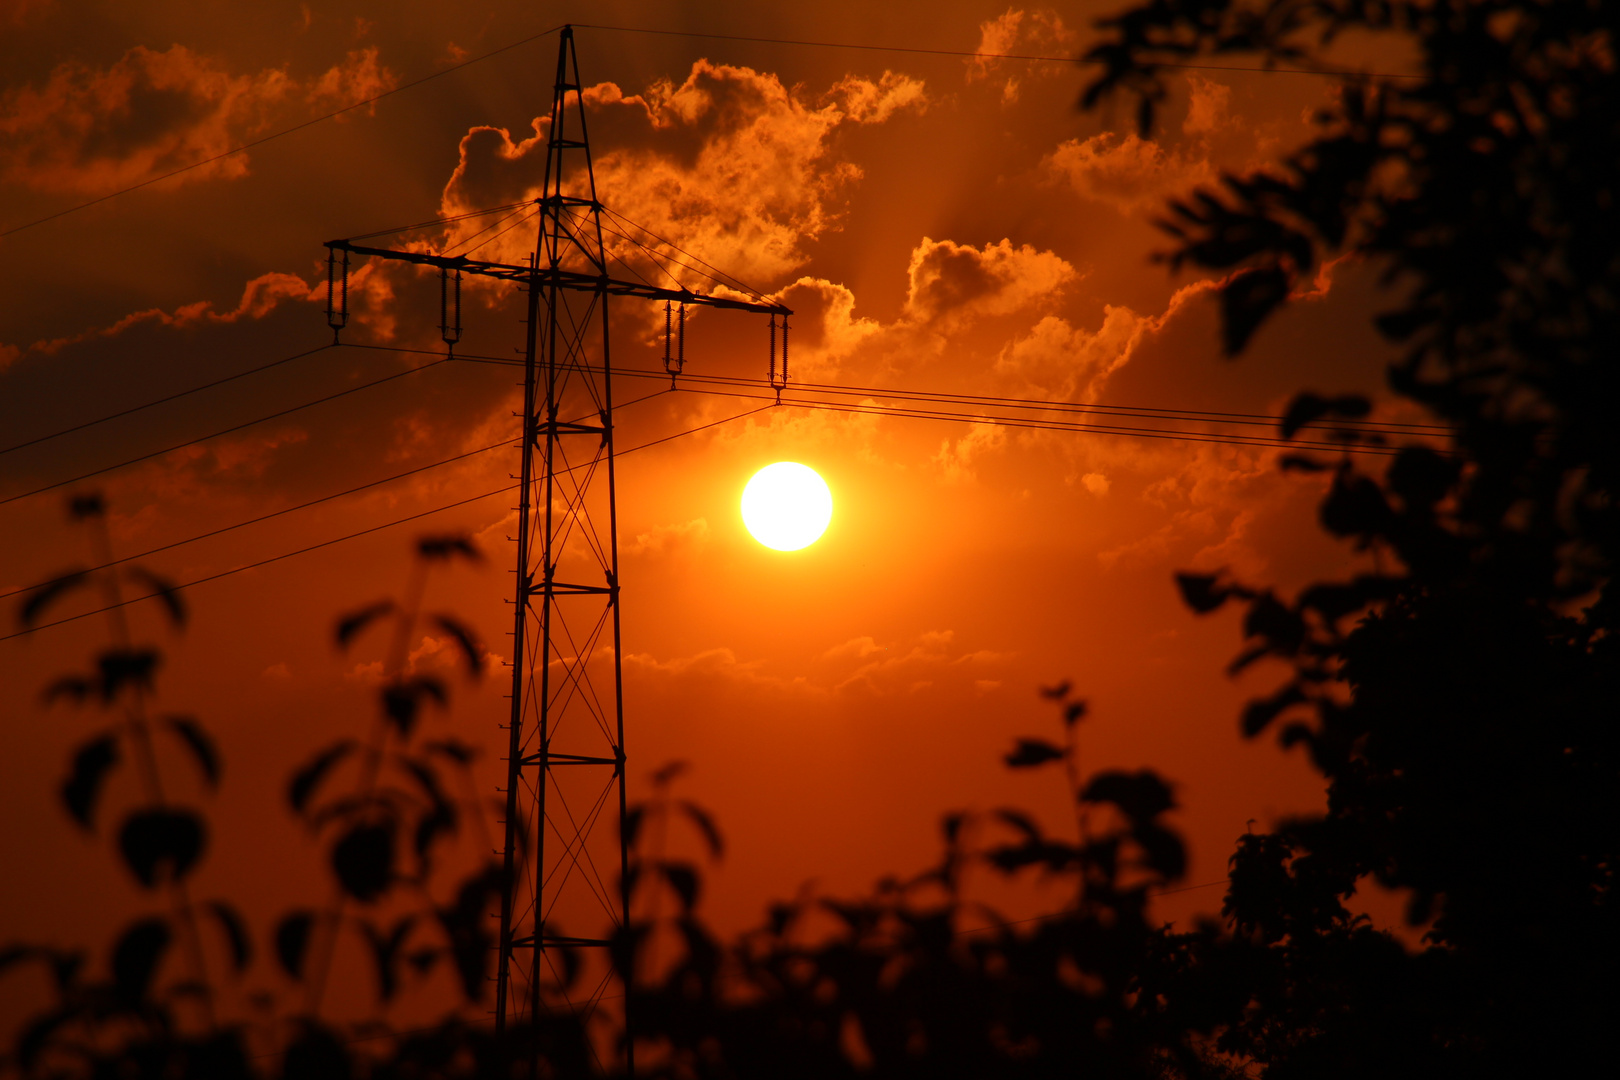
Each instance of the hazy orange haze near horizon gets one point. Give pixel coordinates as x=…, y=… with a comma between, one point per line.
x=937, y=224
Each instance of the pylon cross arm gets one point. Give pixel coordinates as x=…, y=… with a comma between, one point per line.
x=563, y=279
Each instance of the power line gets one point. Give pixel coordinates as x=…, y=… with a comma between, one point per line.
x=226, y=431
x=284, y=131
x=262, y=518
x=1058, y=425
x=165, y=400
x=360, y=533
x=1133, y=411
x=1093, y=428
x=262, y=562
x=1137, y=412
x=301, y=506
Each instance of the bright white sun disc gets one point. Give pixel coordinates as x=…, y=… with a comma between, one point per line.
x=786, y=506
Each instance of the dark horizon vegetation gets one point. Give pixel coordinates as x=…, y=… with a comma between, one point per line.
x=1459, y=702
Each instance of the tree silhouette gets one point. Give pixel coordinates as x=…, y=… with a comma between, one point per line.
x=1461, y=704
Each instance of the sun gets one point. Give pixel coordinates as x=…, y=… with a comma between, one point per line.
x=786, y=506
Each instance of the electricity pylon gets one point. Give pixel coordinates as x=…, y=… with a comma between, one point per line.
x=562, y=864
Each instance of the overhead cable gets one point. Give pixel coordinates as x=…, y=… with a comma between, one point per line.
x=165, y=400
x=305, y=505
x=1137, y=412
x=362, y=532
x=226, y=431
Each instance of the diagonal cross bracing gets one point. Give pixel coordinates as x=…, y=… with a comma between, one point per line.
x=567, y=572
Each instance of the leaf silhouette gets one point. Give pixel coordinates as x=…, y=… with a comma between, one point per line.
x=88, y=505
x=50, y=592
x=633, y=819
x=161, y=844
x=76, y=687
x=705, y=825
x=363, y=860
x=1200, y=592
x=304, y=782
x=454, y=749
x=1307, y=408
x=292, y=941
x=402, y=700
x=669, y=771
x=83, y=786
x=385, y=952
x=135, y=957
x=440, y=820
x=1259, y=714
x=1022, y=822
x=1354, y=507
x=446, y=547
x=164, y=590
x=200, y=744
x=1032, y=752
x=1422, y=477
x=466, y=924
x=1165, y=852
x=119, y=668
x=236, y=935
x=1142, y=795
x=683, y=878
x=317, y=1054
x=465, y=641
x=1246, y=301
x=356, y=621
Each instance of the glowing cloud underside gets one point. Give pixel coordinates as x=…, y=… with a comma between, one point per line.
x=786, y=506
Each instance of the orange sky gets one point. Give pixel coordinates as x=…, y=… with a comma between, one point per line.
x=936, y=223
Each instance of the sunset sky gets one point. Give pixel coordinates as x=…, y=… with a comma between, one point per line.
x=937, y=223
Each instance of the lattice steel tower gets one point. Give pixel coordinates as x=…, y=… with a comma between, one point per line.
x=565, y=865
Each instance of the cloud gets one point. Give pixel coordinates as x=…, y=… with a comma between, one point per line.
x=859, y=665
x=866, y=102
x=729, y=164
x=666, y=539
x=1212, y=502
x=826, y=330
x=1128, y=173
x=260, y=297
x=1136, y=176
x=1039, y=32
x=1070, y=363
x=93, y=130
x=951, y=282
x=955, y=459
x=889, y=670
x=719, y=665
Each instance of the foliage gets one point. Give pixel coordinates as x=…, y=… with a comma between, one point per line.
x=1461, y=702
x=897, y=983
x=385, y=833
